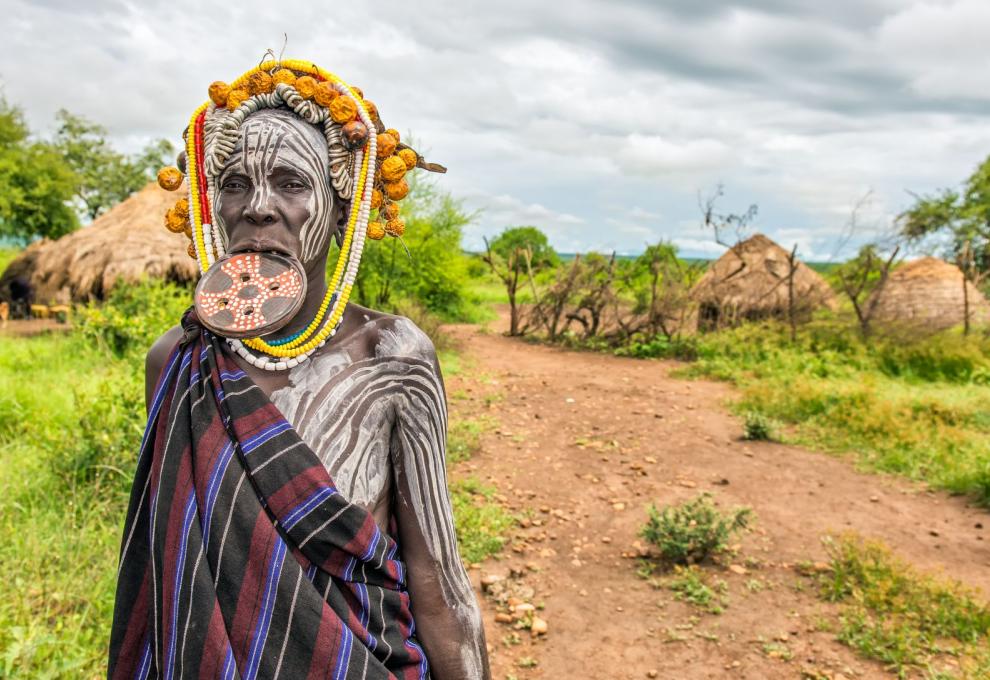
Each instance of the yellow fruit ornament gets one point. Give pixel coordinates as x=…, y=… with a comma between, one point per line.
x=169, y=178
x=219, y=91
x=409, y=157
x=376, y=231
x=393, y=169
x=395, y=227
x=396, y=190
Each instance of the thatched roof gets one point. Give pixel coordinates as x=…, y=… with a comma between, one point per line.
x=928, y=293
x=751, y=281
x=126, y=243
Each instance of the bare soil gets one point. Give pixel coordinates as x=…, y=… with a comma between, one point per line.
x=584, y=442
x=23, y=328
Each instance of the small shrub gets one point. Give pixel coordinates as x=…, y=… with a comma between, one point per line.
x=692, y=531
x=757, y=427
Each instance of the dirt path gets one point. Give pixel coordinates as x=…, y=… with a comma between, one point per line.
x=586, y=441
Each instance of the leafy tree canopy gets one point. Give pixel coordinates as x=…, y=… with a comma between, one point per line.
x=519, y=238
x=963, y=217
x=35, y=184
x=104, y=176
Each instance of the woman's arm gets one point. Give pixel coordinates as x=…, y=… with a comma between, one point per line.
x=448, y=620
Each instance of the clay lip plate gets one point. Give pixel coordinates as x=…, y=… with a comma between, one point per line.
x=250, y=294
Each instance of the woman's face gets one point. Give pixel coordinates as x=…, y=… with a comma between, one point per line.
x=274, y=191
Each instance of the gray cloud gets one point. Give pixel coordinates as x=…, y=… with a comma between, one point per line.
x=571, y=115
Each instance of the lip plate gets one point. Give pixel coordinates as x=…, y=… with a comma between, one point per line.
x=260, y=312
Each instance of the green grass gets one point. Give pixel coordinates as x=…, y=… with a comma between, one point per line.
x=919, y=409
x=911, y=621
x=694, y=586
x=61, y=515
x=482, y=524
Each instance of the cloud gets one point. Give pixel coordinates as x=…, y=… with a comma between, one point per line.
x=598, y=122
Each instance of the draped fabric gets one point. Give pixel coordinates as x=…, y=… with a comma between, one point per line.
x=240, y=558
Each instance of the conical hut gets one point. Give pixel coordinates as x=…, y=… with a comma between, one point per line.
x=929, y=294
x=126, y=243
x=751, y=281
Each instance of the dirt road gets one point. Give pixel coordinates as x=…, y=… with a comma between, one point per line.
x=585, y=442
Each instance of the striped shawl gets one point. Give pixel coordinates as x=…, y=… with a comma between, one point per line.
x=240, y=558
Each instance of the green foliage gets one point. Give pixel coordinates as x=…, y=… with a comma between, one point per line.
x=692, y=585
x=692, y=531
x=962, y=217
x=892, y=613
x=757, y=427
x=513, y=239
x=35, y=184
x=433, y=273
x=914, y=408
x=134, y=316
x=481, y=523
x=660, y=347
x=104, y=176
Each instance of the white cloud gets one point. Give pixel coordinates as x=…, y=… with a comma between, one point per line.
x=597, y=122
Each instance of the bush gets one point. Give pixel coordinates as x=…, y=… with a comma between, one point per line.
x=692, y=531
x=758, y=427
x=133, y=316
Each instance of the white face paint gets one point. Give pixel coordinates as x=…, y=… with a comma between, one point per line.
x=274, y=139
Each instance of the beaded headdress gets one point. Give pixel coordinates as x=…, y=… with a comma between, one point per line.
x=368, y=165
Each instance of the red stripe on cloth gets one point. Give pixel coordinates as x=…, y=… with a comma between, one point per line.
x=327, y=645
x=137, y=626
x=214, y=646
x=255, y=561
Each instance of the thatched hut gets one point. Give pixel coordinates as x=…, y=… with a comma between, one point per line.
x=929, y=294
x=751, y=282
x=124, y=244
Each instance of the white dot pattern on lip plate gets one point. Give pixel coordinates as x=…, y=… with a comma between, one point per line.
x=247, y=312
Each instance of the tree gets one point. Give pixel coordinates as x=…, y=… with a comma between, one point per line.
x=35, y=184
x=516, y=252
x=862, y=278
x=961, y=217
x=104, y=176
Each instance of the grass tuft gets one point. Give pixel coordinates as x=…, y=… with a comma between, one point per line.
x=910, y=621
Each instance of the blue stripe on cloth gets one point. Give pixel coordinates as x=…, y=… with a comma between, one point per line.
x=301, y=510
x=145, y=666
x=213, y=488
x=159, y=397
x=187, y=517
x=229, y=670
x=263, y=436
x=267, y=608
x=344, y=653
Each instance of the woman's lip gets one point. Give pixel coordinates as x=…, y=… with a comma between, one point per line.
x=260, y=247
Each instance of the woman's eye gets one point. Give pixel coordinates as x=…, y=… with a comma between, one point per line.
x=293, y=184
x=233, y=184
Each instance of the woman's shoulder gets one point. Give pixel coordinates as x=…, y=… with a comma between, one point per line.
x=381, y=335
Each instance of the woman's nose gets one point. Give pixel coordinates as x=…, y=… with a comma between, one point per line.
x=260, y=213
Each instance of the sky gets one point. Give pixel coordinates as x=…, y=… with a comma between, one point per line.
x=602, y=123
